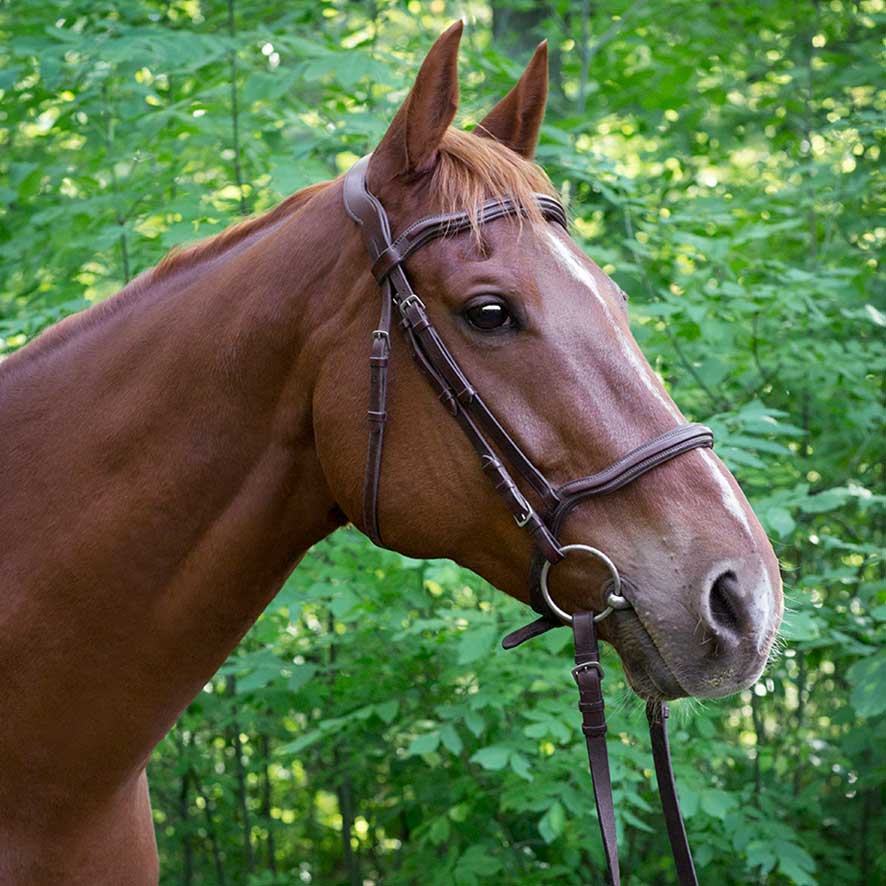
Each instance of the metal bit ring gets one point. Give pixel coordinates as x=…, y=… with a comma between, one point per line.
x=614, y=600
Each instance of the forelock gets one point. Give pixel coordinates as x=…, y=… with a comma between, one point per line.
x=470, y=170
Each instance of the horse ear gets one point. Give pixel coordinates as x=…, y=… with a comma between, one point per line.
x=410, y=144
x=516, y=119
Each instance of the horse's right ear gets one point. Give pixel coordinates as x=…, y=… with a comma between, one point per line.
x=516, y=120
x=410, y=144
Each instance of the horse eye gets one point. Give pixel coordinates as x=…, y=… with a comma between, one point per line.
x=489, y=315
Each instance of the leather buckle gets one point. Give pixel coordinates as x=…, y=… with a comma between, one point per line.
x=528, y=512
x=522, y=520
x=412, y=298
x=588, y=666
x=381, y=333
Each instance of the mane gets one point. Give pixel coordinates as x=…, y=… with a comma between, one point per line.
x=470, y=169
x=180, y=257
x=177, y=260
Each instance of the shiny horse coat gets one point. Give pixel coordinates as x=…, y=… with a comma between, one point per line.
x=170, y=456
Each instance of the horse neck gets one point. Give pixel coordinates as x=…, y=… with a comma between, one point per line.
x=166, y=483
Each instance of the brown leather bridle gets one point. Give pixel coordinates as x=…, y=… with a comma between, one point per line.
x=493, y=443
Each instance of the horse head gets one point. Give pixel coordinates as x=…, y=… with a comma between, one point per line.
x=544, y=336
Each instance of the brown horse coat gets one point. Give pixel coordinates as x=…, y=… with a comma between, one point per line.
x=171, y=454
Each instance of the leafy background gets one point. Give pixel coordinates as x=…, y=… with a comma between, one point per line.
x=722, y=162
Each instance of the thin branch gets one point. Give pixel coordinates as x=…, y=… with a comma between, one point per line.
x=765, y=377
x=119, y=217
x=718, y=404
x=235, y=111
x=210, y=829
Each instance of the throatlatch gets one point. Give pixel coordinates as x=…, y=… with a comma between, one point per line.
x=495, y=447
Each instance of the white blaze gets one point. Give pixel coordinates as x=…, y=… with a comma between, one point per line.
x=567, y=260
x=579, y=272
x=762, y=596
x=727, y=493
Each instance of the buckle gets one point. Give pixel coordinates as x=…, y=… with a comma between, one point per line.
x=523, y=520
x=412, y=298
x=588, y=666
x=528, y=514
x=381, y=333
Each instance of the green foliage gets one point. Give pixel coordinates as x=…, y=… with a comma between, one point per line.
x=721, y=162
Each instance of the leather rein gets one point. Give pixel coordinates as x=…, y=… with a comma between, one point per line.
x=495, y=447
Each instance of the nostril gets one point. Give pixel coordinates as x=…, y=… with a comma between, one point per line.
x=724, y=603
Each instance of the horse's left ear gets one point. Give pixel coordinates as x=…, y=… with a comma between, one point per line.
x=410, y=144
x=516, y=119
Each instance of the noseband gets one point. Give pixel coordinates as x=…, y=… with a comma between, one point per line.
x=495, y=447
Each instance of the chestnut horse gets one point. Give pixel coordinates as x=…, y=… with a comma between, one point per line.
x=170, y=456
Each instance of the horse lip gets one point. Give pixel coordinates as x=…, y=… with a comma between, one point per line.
x=646, y=669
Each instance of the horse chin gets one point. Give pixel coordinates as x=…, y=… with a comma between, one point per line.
x=648, y=673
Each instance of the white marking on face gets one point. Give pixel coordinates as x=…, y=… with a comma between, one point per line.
x=730, y=499
x=579, y=272
x=762, y=598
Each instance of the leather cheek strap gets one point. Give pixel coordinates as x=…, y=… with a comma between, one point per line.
x=434, y=358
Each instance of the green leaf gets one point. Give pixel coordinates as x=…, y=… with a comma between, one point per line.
x=868, y=680
x=762, y=854
x=300, y=676
x=713, y=370
x=824, y=501
x=303, y=742
x=552, y=822
x=256, y=670
x=536, y=730
x=324, y=729
x=343, y=603
x=799, y=626
x=704, y=727
x=476, y=643
x=636, y=821
x=520, y=766
x=796, y=864
x=257, y=679
x=717, y=803
x=439, y=830
x=690, y=799
x=451, y=739
x=424, y=744
x=387, y=710
x=780, y=520
x=475, y=723
x=493, y=757
x=263, y=85
x=476, y=866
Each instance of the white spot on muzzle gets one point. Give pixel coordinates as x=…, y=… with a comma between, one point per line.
x=579, y=272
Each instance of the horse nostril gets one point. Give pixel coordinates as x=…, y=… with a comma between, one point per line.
x=727, y=610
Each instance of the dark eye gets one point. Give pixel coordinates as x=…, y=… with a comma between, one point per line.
x=492, y=314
